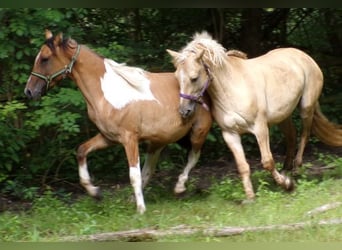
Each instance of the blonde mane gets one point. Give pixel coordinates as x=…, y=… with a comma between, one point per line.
x=237, y=53
x=214, y=53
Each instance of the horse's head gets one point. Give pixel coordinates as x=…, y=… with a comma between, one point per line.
x=194, y=78
x=52, y=64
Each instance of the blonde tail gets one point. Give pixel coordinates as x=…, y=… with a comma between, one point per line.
x=326, y=131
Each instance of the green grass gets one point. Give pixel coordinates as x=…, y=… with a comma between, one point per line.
x=51, y=218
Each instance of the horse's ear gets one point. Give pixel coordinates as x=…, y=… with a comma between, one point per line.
x=58, y=39
x=48, y=34
x=175, y=55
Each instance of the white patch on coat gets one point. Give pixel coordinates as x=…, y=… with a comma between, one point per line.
x=122, y=85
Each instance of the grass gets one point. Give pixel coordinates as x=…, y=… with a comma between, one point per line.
x=52, y=218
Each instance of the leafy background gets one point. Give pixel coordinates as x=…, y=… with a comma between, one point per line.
x=38, y=139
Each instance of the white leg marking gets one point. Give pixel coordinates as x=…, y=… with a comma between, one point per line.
x=183, y=177
x=85, y=180
x=135, y=177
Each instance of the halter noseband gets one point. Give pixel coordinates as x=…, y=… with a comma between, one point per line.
x=199, y=97
x=66, y=70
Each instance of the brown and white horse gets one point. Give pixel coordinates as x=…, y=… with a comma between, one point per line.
x=248, y=95
x=128, y=106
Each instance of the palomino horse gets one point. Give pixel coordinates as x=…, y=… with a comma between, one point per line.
x=128, y=106
x=248, y=95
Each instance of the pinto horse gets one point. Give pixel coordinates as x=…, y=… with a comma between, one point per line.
x=248, y=95
x=128, y=106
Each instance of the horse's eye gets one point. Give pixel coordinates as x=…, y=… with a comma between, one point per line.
x=194, y=79
x=44, y=59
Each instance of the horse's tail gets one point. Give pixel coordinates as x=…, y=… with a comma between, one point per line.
x=326, y=131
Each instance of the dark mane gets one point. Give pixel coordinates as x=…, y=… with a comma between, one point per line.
x=66, y=42
x=49, y=43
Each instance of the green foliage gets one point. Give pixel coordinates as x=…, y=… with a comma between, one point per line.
x=229, y=189
x=38, y=139
x=51, y=112
x=12, y=138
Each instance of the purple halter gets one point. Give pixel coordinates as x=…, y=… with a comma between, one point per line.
x=198, y=98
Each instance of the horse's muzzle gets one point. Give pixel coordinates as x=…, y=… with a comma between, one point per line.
x=187, y=110
x=32, y=94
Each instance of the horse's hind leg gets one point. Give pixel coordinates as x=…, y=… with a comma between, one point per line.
x=307, y=116
x=151, y=160
x=95, y=143
x=262, y=134
x=290, y=137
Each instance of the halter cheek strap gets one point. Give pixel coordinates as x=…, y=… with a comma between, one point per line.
x=199, y=97
x=66, y=70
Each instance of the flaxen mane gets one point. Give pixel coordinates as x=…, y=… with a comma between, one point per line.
x=214, y=53
x=237, y=53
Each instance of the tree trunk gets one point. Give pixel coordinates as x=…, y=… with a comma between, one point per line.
x=251, y=32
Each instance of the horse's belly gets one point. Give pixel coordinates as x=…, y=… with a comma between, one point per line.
x=277, y=113
x=164, y=132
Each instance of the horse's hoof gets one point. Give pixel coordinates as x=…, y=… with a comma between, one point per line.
x=97, y=194
x=289, y=184
x=141, y=209
x=179, y=189
x=247, y=201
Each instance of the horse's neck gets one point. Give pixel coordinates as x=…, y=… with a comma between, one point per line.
x=226, y=89
x=87, y=72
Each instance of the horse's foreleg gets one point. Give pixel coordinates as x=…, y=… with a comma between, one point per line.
x=132, y=153
x=183, y=177
x=198, y=135
x=95, y=143
x=233, y=141
x=289, y=131
x=262, y=135
x=151, y=161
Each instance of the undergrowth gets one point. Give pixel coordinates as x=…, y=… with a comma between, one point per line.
x=53, y=216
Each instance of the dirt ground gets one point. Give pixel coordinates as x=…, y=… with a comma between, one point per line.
x=206, y=172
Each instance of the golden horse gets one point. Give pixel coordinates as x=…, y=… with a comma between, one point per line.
x=248, y=95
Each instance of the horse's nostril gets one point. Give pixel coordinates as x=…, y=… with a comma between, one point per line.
x=184, y=112
x=28, y=93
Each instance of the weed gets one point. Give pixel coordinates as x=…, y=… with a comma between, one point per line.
x=54, y=216
x=228, y=189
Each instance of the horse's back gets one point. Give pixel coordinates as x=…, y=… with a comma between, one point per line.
x=291, y=56
x=288, y=76
x=303, y=66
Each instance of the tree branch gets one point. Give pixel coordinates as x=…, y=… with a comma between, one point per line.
x=149, y=234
